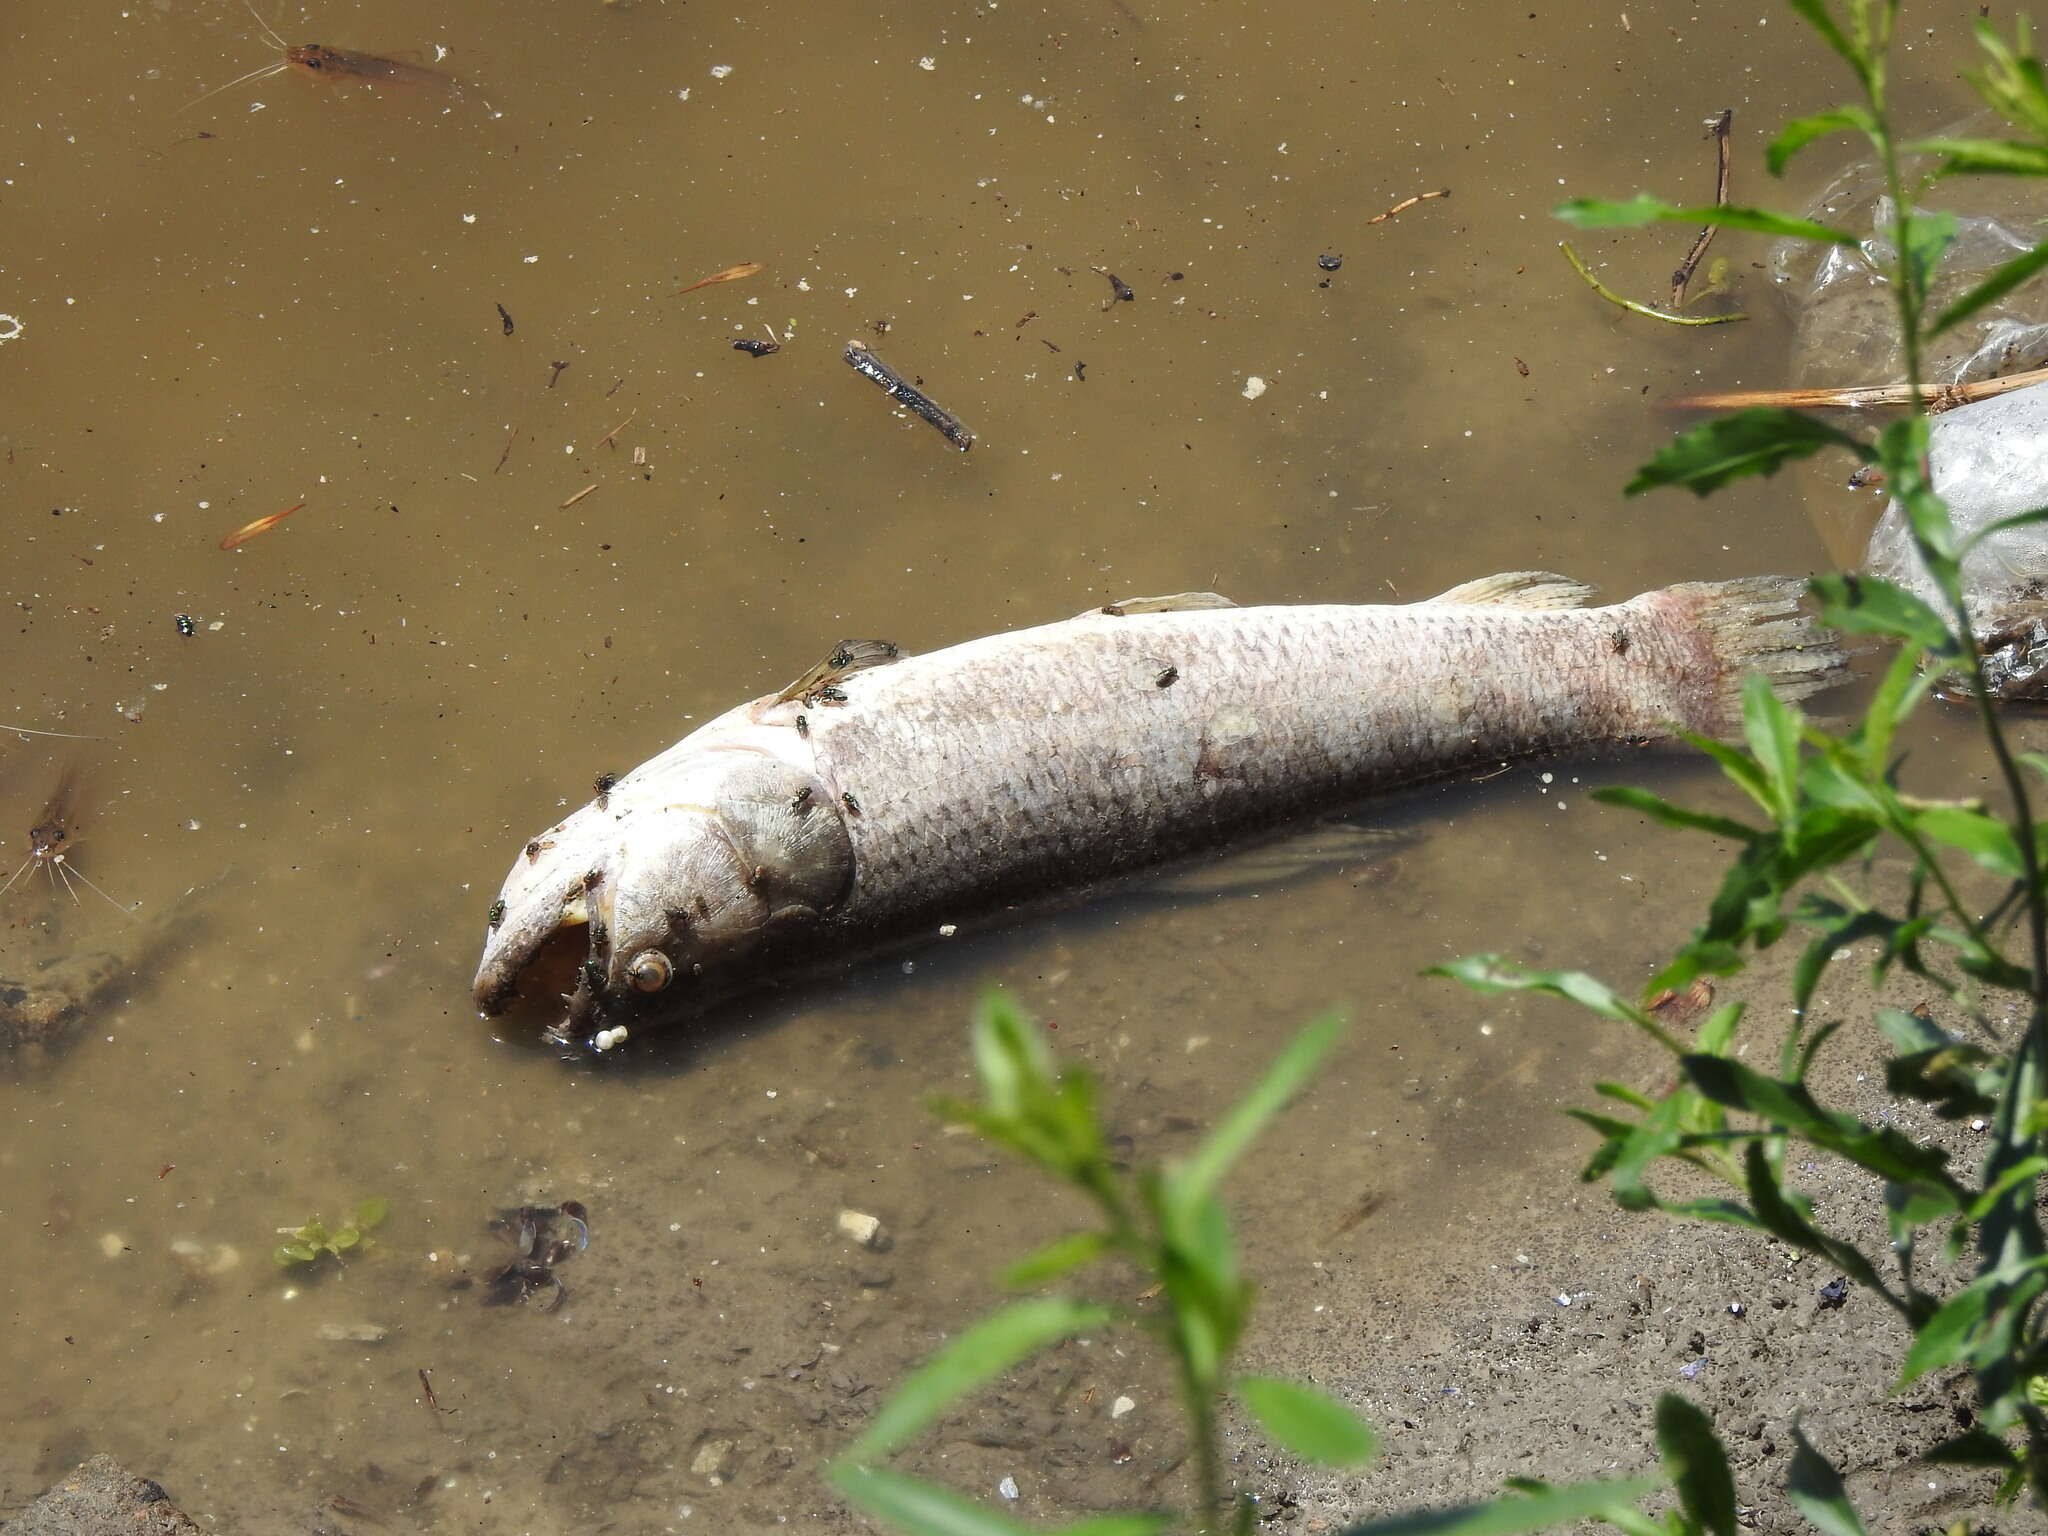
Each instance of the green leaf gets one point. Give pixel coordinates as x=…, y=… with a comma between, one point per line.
x=1863, y=605
x=1696, y=1464
x=1902, y=450
x=1825, y=27
x=1010, y=1055
x=1594, y=213
x=1061, y=1256
x=294, y=1253
x=1664, y=812
x=371, y=1213
x=2002, y=281
x=921, y=1508
x=1200, y=1175
x=1984, y=838
x=2013, y=83
x=1928, y=237
x=1976, y=1447
x=1947, y=1336
x=1772, y=730
x=1884, y=1151
x=1754, y=442
x=1802, y=131
x=1114, y=1525
x=980, y=1353
x=1816, y=1491
x=1311, y=1424
x=1516, y=1514
x=344, y=1239
x=1492, y=974
x=2017, y=520
x=1985, y=157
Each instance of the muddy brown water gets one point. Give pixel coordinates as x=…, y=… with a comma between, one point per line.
x=290, y=293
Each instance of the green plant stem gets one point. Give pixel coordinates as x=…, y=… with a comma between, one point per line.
x=1199, y=1399
x=1631, y=305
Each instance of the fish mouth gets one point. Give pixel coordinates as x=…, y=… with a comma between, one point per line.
x=543, y=957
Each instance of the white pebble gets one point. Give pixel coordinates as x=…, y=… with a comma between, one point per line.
x=1120, y=1407
x=862, y=1228
x=720, y=71
x=1254, y=386
x=112, y=1245
x=927, y=62
x=947, y=930
x=1007, y=1488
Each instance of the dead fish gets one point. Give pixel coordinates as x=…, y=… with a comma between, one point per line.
x=1036, y=762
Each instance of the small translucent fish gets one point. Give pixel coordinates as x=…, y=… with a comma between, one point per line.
x=248, y=531
x=744, y=269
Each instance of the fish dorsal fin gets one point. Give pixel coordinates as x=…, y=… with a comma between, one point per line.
x=847, y=658
x=1519, y=589
x=1178, y=602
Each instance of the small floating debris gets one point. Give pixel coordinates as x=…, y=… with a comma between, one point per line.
x=725, y=274
x=909, y=396
x=248, y=531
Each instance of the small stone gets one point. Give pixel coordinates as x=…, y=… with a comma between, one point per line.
x=1254, y=386
x=947, y=930
x=352, y=1333
x=98, y=1499
x=1007, y=1488
x=864, y=1229
x=112, y=1245
x=713, y=1461
x=1120, y=1407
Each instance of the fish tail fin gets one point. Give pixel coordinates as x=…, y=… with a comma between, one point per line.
x=1750, y=625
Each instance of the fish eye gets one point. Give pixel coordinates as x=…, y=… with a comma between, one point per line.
x=650, y=970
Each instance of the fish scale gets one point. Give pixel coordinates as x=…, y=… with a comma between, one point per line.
x=882, y=795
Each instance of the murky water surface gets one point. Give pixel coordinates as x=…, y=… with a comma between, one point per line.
x=291, y=292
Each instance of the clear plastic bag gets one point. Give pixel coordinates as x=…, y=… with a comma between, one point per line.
x=1989, y=459
x=1845, y=326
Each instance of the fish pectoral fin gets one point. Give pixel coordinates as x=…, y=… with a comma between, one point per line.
x=1178, y=602
x=844, y=659
x=1518, y=589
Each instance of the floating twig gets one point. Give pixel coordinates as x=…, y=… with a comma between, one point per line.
x=907, y=395
x=565, y=506
x=506, y=453
x=1945, y=397
x=608, y=438
x=555, y=372
x=1719, y=130
x=1405, y=204
x=1612, y=297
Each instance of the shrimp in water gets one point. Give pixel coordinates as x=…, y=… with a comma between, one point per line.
x=47, y=841
x=322, y=62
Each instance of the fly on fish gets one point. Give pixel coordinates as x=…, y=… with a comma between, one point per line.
x=881, y=796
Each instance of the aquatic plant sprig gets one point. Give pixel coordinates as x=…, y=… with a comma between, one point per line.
x=1831, y=799
x=312, y=1241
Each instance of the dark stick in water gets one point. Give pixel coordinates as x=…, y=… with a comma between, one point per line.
x=909, y=396
x=1679, y=279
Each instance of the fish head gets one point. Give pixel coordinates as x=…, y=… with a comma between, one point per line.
x=643, y=905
